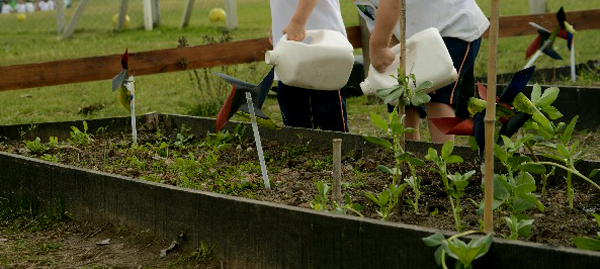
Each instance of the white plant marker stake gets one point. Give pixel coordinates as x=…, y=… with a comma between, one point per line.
x=261, y=157
x=537, y=54
x=573, y=75
x=130, y=86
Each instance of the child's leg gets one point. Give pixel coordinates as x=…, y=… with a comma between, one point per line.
x=438, y=110
x=329, y=110
x=294, y=104
x=412, y=120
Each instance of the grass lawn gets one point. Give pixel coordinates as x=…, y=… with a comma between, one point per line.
x=35, y=40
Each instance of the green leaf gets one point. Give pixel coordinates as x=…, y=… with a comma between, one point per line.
x=500, y=188
x=563, y=151
x=378, y=121
x=597, y=217
x=425, y=85
x=548, y=97
x=433, y=240
x=447, y=149
x=530, y=197
x=587, y=243
x=385, y=169
x=476, y=105
x=454, y=159
x=416, y=162
x=552, y=112
x=536, y=93
x=397, y=126
x=566, y=137
x=420, y=98
x=394, y=96
x=411, y=182
x=372, y=197
x=532, y=168
x=473, y=143
x=515, y=161
x=500, y=153
x=432, y=155
x=520, y=205
x=379, y=141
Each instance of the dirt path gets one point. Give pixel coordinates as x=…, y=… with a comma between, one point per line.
x=74, y=244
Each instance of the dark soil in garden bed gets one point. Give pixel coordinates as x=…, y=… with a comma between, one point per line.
x=228, y=164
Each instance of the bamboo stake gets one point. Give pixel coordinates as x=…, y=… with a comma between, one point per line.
x=402, y=37
x=337, y=171
x=490, y=119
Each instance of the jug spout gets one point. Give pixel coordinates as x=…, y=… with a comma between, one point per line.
x=271, y=57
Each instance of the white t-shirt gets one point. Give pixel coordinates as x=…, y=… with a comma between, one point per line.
x=29, y=7
x=6, y=9
x=461, y=19
x=20, y=8
x=46, y=6
x=325, y=15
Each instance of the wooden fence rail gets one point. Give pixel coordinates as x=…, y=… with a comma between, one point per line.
x=178, y=59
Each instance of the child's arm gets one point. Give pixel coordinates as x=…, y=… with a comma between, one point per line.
x=295, y=29
x=387, y=18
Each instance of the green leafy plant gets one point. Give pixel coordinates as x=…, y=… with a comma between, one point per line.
x=79, y=137
x=519, y=226
x=387, y=200
x=395, y=129
x=589, y=243
x=463, y=253
x=441, y=162
x=321, y=202
x=567, y=153
x=50, y=158
x=53, y=142
x=408, y=95
x=457, y=185
x=36, y=147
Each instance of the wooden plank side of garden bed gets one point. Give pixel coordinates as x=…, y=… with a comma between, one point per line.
x=171, y=60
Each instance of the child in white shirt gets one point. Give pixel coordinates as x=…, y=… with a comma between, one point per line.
x=6, y=8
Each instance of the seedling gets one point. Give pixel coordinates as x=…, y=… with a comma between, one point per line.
x=519, y=226
x=387, y=200
x=395, y=128
x=321, y=202
x=457, y=185
x=36, y=147
x=463, y=253
x=79, y=137
x=441, y=161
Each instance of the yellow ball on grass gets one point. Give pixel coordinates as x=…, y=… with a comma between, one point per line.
x=115, y=20
x=21, y=16
x=217, y=15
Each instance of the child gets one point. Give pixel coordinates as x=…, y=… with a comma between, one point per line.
x=29, y=7
x=6, y=8
x=304, y=107
x=461, y=24
x=20, y=7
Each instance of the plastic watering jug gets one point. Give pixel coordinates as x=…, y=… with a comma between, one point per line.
x=426, y=57
x=322, y=61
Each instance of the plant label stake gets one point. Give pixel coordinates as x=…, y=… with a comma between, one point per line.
x=261, y=157
x=337, y=170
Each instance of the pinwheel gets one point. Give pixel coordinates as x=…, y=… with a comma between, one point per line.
x=545, y=40
x=126, y=87
x=513, y=110
x=236, y=101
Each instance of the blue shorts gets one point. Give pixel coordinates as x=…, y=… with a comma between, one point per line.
x=456, y=94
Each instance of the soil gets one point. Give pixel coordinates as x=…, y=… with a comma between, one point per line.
x=231, y=167
x=73, y=244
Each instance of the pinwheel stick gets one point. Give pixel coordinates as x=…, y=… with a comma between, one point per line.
x=132, y=106
x=573, y=75
x=261, y=156
x=538, y=53
x=490, y=119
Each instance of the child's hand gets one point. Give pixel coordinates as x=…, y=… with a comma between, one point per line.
x=381, y=58
x=295, y=31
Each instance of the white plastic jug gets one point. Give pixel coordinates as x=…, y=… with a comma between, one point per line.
x=426, y=57
x=322, y=61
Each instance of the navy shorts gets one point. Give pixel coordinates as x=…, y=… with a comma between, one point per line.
x=456, y=94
